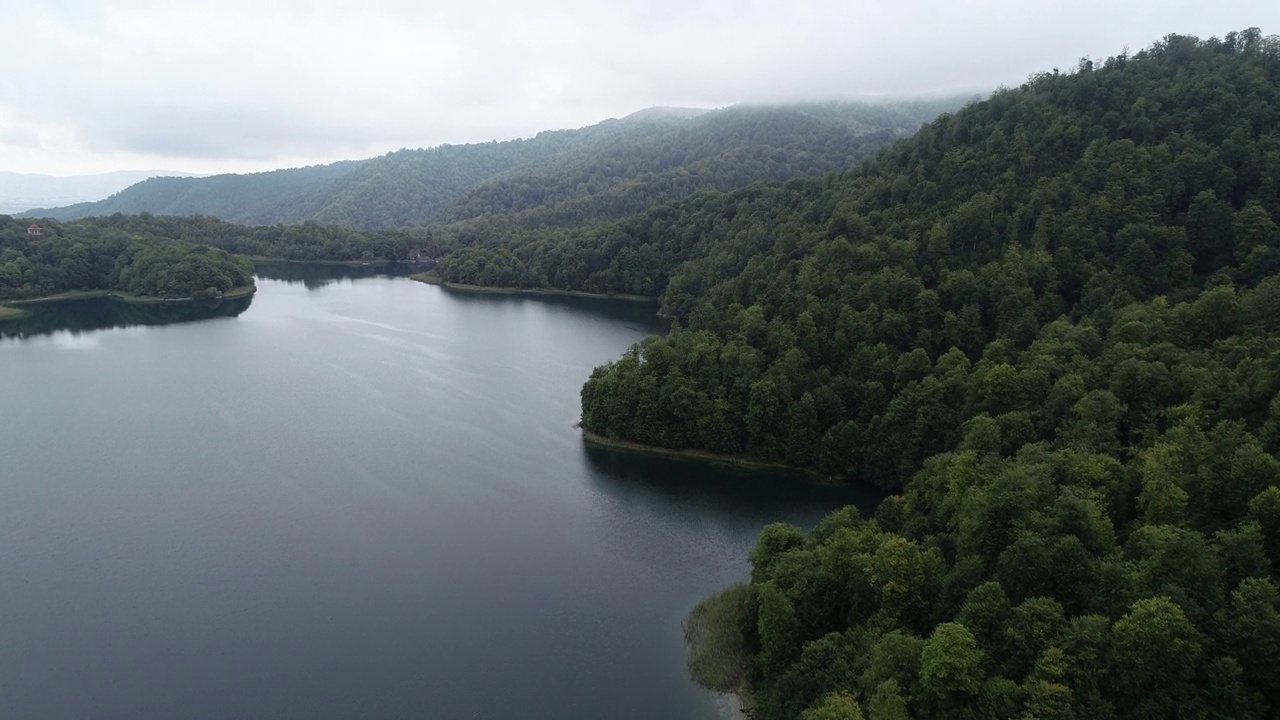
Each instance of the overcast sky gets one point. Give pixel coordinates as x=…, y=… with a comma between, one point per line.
x=246, y=85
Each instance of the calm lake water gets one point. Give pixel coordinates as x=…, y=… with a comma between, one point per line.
x=351, y=497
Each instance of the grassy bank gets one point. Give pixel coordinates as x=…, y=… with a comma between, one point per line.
x=704, y=456
x=232, y=294
x=237, y=292
x=9, y=313
x=433, y=279
x=69, y=295
x=717, y=656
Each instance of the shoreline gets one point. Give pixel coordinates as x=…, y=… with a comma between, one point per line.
x=731, y=705
x=344, y=263
x=715, y=646
x=240, y=292
x=591, y=438
x=433, y=279
x=232, y=294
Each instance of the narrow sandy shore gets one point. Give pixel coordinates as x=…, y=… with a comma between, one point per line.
x=730, y=706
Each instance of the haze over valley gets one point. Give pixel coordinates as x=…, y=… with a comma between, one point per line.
x=20, y=192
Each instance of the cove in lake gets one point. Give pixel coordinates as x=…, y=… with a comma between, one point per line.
x=355, y=496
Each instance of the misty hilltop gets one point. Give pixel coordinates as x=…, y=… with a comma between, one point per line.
x=603, y=171
x=666, y=111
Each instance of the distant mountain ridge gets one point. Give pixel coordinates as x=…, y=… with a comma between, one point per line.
x=670, y=158
x=23, y=191
x=598, y=172
x=256, y=198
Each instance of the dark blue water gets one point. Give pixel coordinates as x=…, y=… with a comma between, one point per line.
x=362, y=498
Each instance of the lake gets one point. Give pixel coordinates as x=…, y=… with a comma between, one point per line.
x=352, y=496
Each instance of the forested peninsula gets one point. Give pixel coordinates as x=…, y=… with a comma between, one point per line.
x=1050, y=322
x=87, y=257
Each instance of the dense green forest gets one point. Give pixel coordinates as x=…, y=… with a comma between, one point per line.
x=565, y=178
x=1052, y=321
x=92, y=255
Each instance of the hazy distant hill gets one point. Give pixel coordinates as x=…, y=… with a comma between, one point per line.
x=268, y=197
x=23, y=191
x=665, y=111
x=607, y=170
x=656, y=157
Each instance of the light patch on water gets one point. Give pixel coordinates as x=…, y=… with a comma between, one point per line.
x=75, y=339
x=66, y=340
x=407, y=345
x=388, y=326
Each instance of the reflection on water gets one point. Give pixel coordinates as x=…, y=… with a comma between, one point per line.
x=314, y=276
x=317, y=275
x=638, y=315
x=711, y=490
x=79, y=316
x=86, y=315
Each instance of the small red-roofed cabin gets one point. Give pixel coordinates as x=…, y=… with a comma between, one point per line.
x=34, y=229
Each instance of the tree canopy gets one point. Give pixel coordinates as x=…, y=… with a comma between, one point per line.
x=603, y=220
x=1049, y=321
x=92, y=255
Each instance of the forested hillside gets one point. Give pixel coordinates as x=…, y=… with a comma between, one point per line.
x=89, y=256
x=260, y=198
x=598, y=221
x=307, y=241
x=558, y=178
x=1052, y=320
x=719, y=150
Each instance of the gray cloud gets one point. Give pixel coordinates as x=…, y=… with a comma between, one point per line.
x=240, y=81
x=20, y=137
